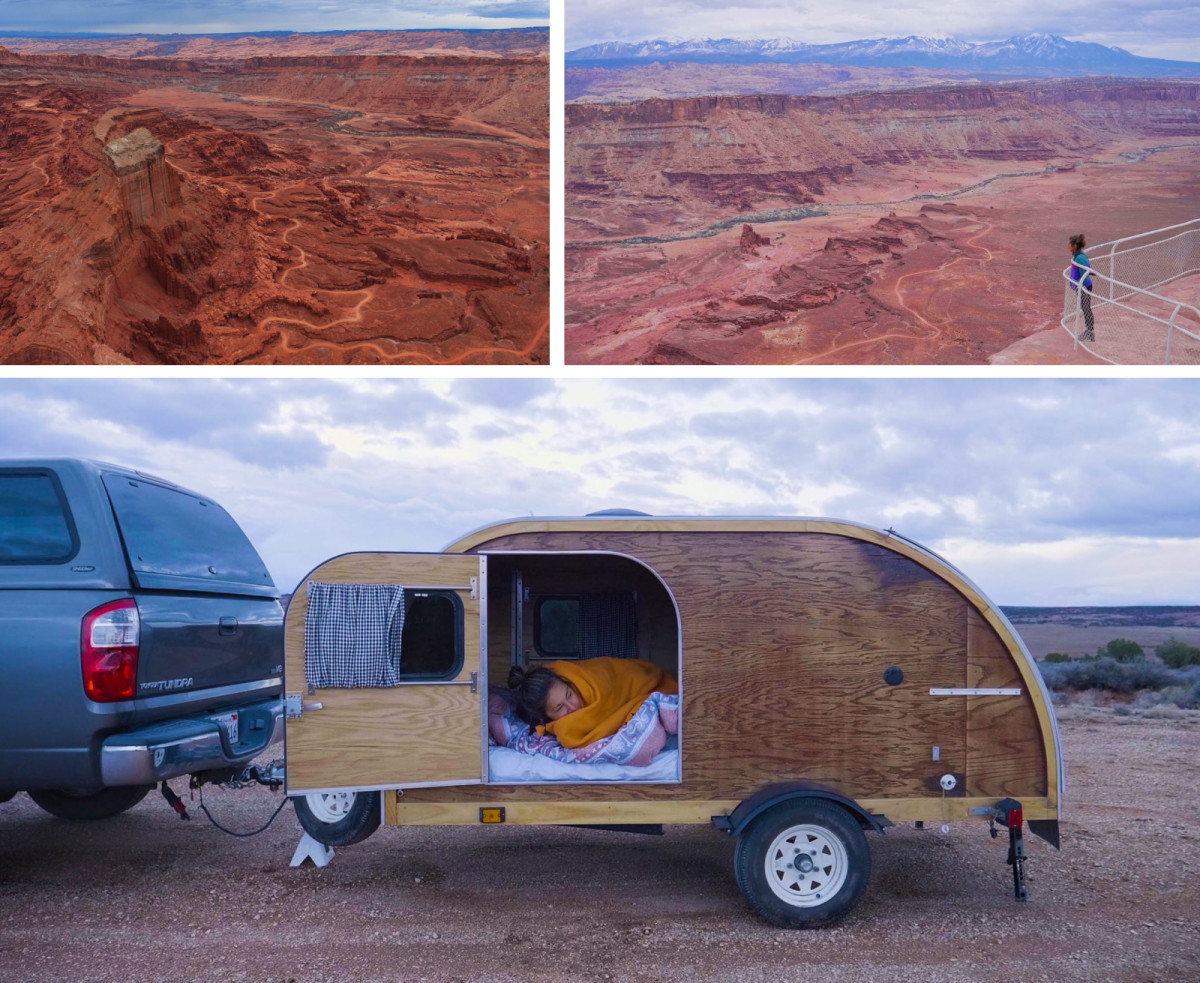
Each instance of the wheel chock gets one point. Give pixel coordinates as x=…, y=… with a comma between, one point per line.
x=310, y=849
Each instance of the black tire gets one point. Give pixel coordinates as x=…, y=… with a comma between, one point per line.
x=838, y=863
x=101, y=804
x=359, y=814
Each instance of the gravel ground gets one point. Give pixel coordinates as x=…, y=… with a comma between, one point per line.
x=147, y=897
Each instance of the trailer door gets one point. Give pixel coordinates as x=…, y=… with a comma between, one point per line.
x=420, y=723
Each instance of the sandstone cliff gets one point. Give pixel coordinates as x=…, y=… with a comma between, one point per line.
x=704, y=157
x=149, y=186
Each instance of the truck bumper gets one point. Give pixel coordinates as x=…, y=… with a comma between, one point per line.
x=181, y=747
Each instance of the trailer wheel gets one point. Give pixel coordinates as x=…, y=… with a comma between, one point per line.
x=101, y=803
x=803, y=864
x=338, y=818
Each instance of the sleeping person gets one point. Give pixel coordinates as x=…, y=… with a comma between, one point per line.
x=579, y=703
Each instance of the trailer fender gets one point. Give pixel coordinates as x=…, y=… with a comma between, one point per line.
x=773, y=795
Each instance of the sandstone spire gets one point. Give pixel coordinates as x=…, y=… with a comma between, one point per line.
x=149, y=186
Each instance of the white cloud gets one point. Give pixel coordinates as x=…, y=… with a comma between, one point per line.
x=984, y=471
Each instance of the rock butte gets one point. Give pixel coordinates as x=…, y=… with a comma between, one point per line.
x=338, y=209
x=149, y=188
x=915, y=226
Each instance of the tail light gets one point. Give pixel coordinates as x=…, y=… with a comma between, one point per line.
x=108, y=647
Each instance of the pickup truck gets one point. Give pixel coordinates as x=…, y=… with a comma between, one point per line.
x=141, y=637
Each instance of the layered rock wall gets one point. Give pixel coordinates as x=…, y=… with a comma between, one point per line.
x=513, y=91
x=635, y=167
x=149, y=186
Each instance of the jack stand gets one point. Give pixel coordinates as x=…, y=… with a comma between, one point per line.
x=1016, y=857
x=1010, y=814
x=310, y=849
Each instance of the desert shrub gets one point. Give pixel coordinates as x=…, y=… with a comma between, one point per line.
x=1121, y=649
x=1189, y=698
x=1108, y=674
x=1056, y=657
x=1177, y=654
x=1153, y=697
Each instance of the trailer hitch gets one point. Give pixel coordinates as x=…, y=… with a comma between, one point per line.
x=1009, y=813
x=270, y=775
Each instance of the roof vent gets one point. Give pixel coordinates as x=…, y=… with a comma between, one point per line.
x=618, y=512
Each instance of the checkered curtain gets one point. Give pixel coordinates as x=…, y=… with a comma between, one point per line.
x=608, y=625
x=352, y=635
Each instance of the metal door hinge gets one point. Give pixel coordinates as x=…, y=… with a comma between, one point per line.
x=474, y=588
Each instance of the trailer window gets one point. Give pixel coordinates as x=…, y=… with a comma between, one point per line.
x=583, y=626
x=380, y=635
x=430, y=642
x=35, y=525
x=556, y=627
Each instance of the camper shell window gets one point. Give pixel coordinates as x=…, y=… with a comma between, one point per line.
x=35, y=523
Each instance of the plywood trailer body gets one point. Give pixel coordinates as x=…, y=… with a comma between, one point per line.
x=827, y=671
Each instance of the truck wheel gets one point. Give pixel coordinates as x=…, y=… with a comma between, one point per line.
x=803, y=864
x=338, y=818
x=101, y=804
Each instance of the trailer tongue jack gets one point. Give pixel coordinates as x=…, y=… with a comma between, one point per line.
x=1009, y=813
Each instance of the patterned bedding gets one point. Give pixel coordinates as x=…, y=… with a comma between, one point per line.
x=636, y=744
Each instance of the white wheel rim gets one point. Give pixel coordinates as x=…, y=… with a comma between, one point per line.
x=330, y=807
x=806, y=866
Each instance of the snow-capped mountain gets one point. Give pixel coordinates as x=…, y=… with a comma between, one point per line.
x=1026, y=54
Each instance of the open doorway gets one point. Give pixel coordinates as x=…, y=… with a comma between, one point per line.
x=546, y=609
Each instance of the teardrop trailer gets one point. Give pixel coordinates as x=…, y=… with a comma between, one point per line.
x=834, y=680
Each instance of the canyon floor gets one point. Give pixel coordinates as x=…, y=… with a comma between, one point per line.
x=946, y=261
x=309, y=209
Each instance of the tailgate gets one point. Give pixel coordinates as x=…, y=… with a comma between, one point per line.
x=198, y=642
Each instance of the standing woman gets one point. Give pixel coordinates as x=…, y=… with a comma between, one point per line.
x=1081, y=275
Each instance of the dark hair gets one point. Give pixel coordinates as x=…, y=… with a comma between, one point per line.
x=1078, y=243
x=530, y=689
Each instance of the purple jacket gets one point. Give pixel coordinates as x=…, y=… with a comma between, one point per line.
x=1080, y=264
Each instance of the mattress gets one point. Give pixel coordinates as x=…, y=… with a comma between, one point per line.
x=508, y=766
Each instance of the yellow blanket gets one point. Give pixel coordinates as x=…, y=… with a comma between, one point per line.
x=611, y=691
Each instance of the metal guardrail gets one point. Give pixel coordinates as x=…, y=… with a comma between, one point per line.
x=1135, y=322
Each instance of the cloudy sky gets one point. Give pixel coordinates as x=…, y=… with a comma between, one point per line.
x=223, y=16
x=1151, y=28
x=1043, y=492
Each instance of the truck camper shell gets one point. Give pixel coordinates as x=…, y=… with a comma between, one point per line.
x=832, y=678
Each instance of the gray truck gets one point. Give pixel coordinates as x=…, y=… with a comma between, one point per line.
x=141, y=637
